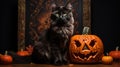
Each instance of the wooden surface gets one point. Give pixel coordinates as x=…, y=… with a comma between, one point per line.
x=70, y=65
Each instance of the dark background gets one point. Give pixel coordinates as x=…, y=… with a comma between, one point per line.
x=105, y=23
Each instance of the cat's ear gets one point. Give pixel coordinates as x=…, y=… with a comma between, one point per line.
x=69, y=6
x=53, y=6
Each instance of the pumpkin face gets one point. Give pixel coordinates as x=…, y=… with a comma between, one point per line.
x=85, y=49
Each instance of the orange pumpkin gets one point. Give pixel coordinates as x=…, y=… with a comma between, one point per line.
x=6, y=59
x=115, y=54
x=86, y=49
x=107, y=59
x=23, y=53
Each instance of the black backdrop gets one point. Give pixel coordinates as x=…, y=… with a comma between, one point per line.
x=105, y=23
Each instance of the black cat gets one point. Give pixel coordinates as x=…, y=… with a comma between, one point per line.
x=53, y=45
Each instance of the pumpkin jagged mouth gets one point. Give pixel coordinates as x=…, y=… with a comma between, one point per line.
x=85, y=57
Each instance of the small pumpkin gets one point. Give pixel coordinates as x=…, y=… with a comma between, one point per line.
x=107, y=59
x=22, y=53
x=6, y=59
x=85, y=48
x=115, y=54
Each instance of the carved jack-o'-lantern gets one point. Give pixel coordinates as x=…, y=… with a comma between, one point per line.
x=86, y=49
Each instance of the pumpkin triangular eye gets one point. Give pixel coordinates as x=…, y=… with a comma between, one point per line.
x=78, y=44
x=92, y=43
x=85, y=47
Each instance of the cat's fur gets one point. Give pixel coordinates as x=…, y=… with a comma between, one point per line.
x=53, y=45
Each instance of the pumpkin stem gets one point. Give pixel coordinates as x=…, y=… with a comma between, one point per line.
x=6, y=52
x=21, y=50
x=107, y=54
x=85, y=30
x=117, y=48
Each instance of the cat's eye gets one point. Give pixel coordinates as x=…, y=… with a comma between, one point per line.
x=57, y=15
x=64, y=14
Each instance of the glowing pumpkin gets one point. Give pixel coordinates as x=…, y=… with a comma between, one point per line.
x=107, y=59
x=6, y=59
x=86, y=48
